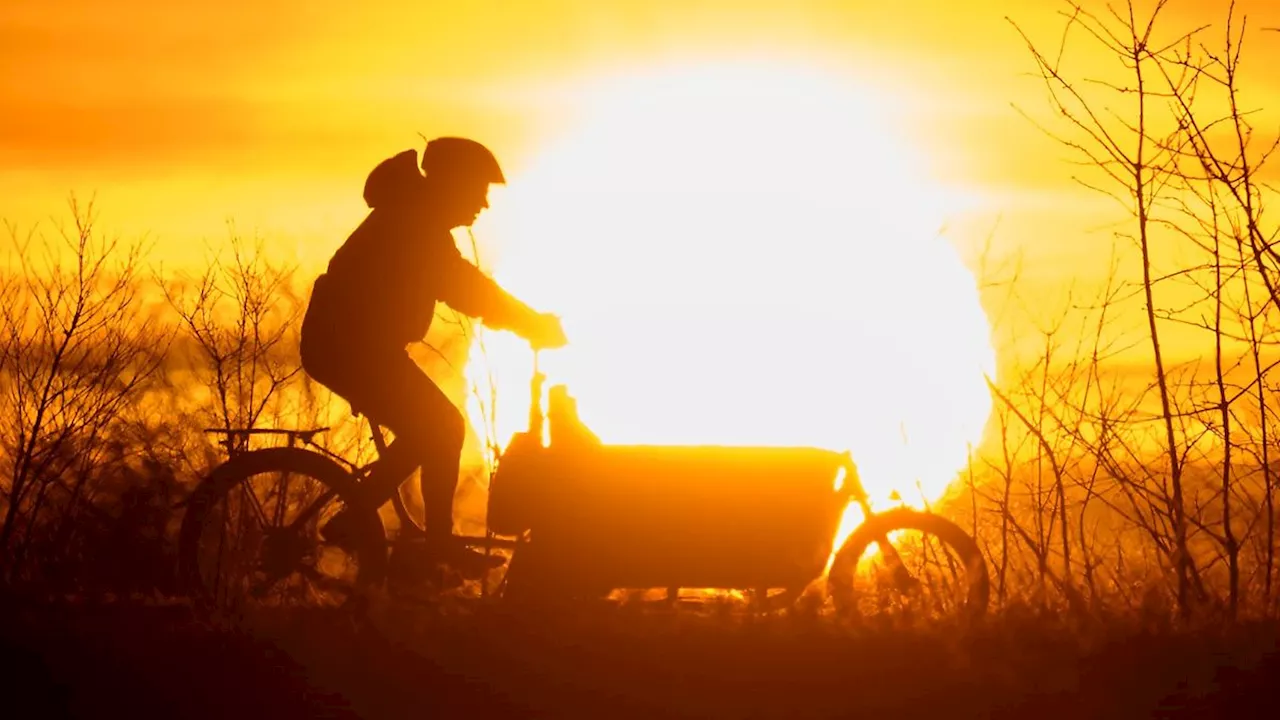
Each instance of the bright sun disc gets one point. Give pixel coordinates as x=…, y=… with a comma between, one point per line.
x=745, y=254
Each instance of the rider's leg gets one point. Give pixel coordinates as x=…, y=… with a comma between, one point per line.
x=436, y=454
x=429, y=433
x=370, y=382
x=438, y=476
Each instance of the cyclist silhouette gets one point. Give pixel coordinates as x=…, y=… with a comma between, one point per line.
x=379, y=294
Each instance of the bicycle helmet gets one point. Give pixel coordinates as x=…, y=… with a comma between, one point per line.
x=459, y=158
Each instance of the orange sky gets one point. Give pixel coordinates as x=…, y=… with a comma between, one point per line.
x=270, y=112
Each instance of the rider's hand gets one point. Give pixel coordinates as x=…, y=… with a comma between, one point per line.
x=547, y=333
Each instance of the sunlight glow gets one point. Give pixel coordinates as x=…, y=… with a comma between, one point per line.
x=744, y=254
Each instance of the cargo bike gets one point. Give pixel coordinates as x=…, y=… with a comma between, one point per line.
x=579, y=519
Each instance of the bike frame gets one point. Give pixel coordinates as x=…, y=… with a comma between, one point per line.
x=236, y=442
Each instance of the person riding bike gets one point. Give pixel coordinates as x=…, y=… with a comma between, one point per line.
x=379, y=294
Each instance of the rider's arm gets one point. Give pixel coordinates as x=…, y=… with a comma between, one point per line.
x=469, y=291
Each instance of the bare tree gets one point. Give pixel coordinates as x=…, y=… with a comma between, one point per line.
x=1152, y=136
x=81, y=350
x=1124, y=145
x=240, y=319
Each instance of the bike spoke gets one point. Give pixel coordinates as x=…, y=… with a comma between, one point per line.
x=246, y=488
x=312, y=510
x=282, y=499
x=260, y=544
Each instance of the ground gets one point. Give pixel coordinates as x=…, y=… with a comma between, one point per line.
x=128, y=660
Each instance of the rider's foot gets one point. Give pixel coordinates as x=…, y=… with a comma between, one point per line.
x=433, y=567
x=466, y=562
x=341, y=530
x=447, y=552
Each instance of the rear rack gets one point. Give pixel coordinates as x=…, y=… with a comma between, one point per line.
x=237, y=439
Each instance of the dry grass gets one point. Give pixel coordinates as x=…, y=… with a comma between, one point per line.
x=608, y=662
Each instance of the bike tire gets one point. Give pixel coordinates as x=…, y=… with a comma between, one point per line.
x=370, y=542
x=840, y=580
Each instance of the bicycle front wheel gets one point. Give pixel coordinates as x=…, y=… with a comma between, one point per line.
x=251, y=534
x=908, y=566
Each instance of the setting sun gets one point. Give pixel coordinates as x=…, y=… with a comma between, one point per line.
x=262, y=456
x=745, y=254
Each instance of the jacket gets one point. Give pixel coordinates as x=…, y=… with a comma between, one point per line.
x=380, y=289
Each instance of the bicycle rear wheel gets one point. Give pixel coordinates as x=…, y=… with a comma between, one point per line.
x=250, y=535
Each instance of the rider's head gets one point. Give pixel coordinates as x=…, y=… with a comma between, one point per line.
x=458, y=174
